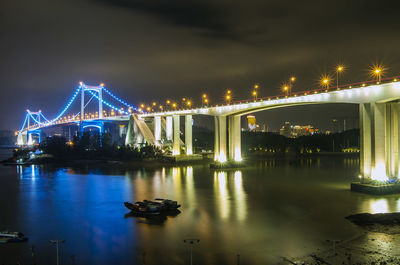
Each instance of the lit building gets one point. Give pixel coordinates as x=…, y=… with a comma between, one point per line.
x=286, y=130
x=293, y=131
x=251, y=123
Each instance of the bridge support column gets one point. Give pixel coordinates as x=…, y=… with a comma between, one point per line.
x=235, y=152
x=139, y=139
x=220, y=139
x=157, y=129
x=168, y=128
x=176, y=147
x=188, y=134
x=366, y=120
x=379, y=140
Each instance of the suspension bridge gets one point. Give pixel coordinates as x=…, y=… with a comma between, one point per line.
x=378, y=102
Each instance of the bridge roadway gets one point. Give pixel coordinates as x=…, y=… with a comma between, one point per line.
x=379, y=124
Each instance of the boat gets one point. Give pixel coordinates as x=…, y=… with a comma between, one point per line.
x=143, y=208
x=12, y=237
x=168, y=205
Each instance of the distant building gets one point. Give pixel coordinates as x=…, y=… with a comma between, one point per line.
x=251, y=123
x=293, y=131
x=286, y=130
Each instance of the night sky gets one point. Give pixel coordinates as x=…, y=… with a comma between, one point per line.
x=153, y=50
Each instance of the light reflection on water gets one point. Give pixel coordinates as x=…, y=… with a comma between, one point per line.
x=262, y=212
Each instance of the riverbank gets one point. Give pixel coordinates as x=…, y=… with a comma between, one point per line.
x=379, y=244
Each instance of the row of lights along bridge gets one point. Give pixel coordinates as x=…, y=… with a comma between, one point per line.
x=376, y=72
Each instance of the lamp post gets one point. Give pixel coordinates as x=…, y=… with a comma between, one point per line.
x=57, y=243
x=255, y=91
x=339, y=69
x=291, y=81
x=228, y=96
x=377, y=71
x=191, y=241
x=285, y=89
x=325, y=80
x=204, y=99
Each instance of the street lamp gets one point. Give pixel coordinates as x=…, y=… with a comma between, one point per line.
x=255, y=91
x=57, y=242
x=191, y=241
x=189, y=103
x=325, y=80
x=228, y=99
x=377, y=71
x=291, y=81
x=285, y=89
x=204, y=99
x=339, y=69
x=174, y=105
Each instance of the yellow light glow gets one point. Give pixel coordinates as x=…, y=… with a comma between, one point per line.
x=183, y=99
x=293, y=79
x=189, y=103
x=285, y=88
x=154, y=103
x=228, y=91
x=142, y=105
x=377, y=71
x=168, y=101
x=204, y=96
x=340, y=68
x=206, y=100
x=379, y=173
x=256, y=86
x=174, y=105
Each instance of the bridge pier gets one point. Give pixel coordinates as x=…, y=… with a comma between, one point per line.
x=379, y=140
x=188, y=135
x=157, y=129
x=235, y=153
x=168, y=127
x=220, y=139
x=176, y=146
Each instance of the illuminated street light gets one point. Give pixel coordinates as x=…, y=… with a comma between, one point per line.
x=254, y=94
x=377, y=72
x=204, y=99
x=174, y=105
x=339, y=69
x=325, y=81
x=154, y=103
x=255, y=91
x=285, y=89
x=204, y=95
x=189, y=103
x=228, y=98
x=291, y=81
x=142, y=105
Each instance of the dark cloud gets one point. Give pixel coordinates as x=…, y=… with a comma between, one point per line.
x=151, y=50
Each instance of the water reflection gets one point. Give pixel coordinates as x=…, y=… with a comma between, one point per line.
x=287, y=213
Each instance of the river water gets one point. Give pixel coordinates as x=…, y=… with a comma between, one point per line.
x=268, y=210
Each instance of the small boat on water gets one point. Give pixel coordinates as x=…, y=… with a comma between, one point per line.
x=12, y=237
x=143, y=208
x=151, y=208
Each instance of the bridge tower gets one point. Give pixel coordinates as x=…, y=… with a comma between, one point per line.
x=96, y=89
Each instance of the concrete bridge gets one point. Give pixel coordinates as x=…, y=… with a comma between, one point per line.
x=379, y=124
